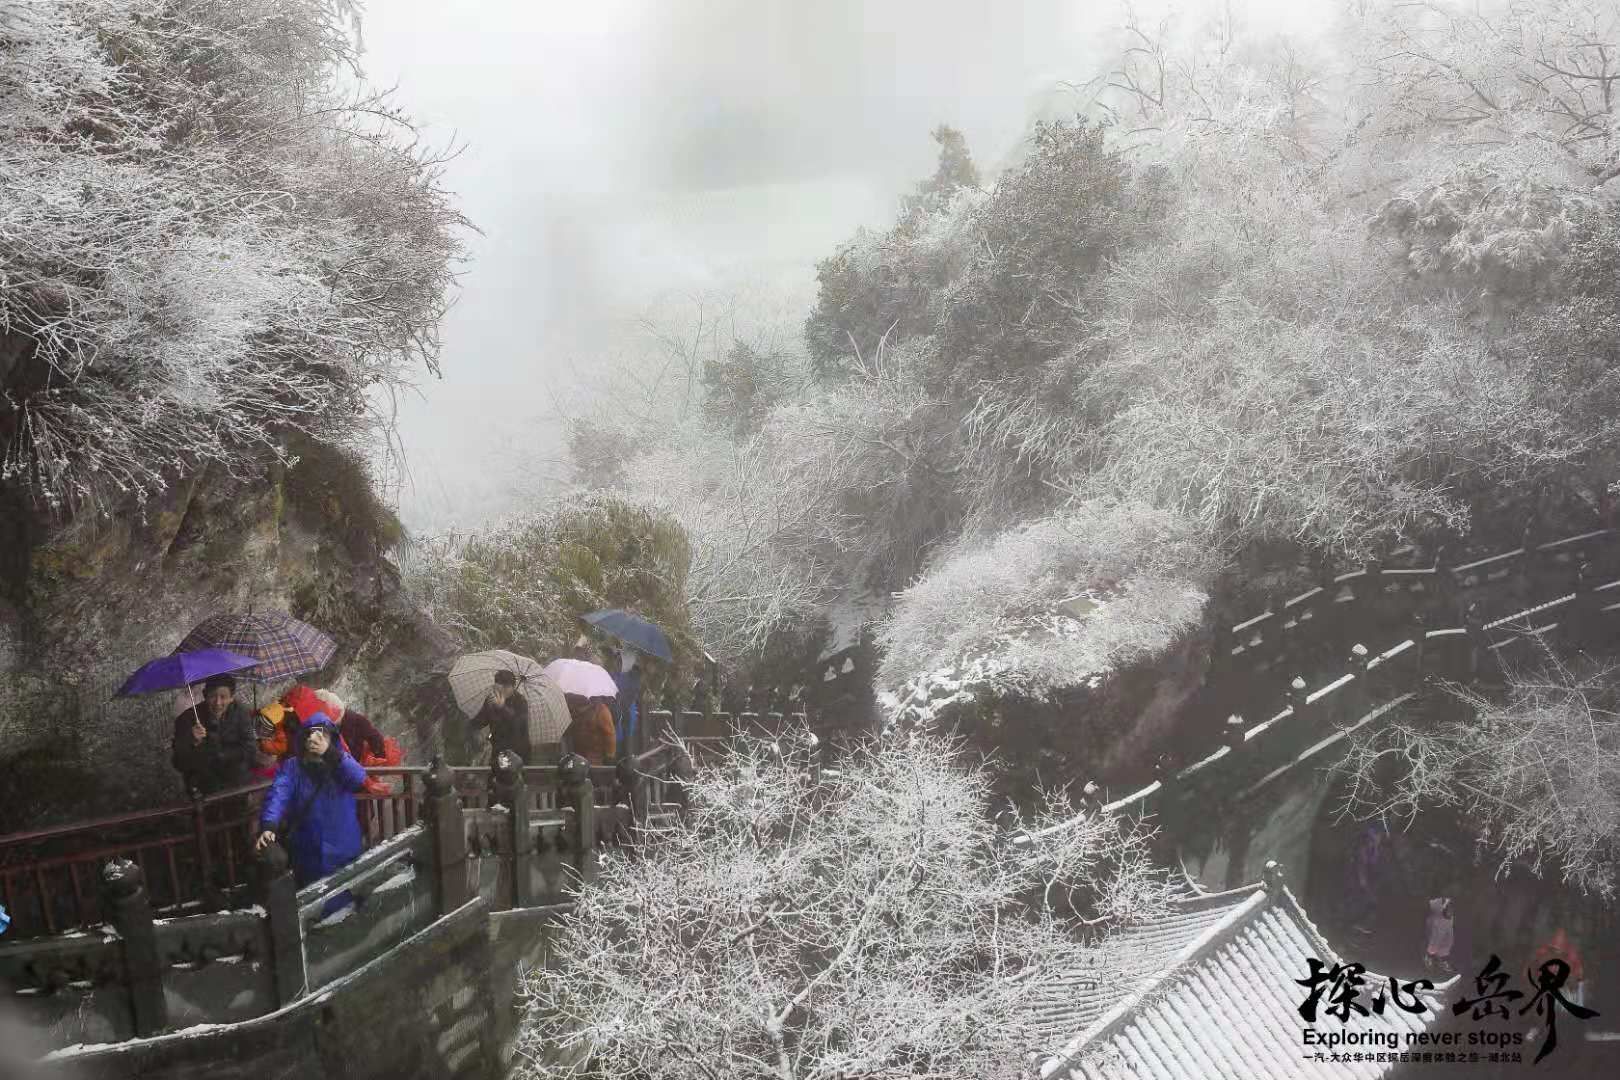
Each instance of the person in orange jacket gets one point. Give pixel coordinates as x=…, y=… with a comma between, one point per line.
x=591, y=734
x=279, y=724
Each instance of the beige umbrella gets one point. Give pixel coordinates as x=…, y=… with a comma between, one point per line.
x=473, y=676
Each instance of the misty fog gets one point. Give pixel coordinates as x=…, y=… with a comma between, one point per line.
x=619, y=153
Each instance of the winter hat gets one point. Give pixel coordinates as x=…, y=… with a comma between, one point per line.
x=268, y=720
x=303, y=702
x=319, y=720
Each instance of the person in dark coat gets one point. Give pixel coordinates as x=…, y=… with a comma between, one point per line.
x=506, y=713
x=215, y=745
x=311, y=806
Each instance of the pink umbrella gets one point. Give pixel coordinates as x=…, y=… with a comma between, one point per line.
x=581, y=677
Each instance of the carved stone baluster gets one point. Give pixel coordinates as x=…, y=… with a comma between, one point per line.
x=574, y=790
x=511, y=792
x=448, y=834
x=129, y=910
x=278, y=895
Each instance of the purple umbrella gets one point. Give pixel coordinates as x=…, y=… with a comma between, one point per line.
x=181, y=669
x=280, y=645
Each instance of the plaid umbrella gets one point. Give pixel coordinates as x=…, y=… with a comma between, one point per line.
x=473, y=676
x=282, y=645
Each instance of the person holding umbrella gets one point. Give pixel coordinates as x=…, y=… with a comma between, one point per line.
x=214, y=746
x=506, y=713
x=636, y=637
x=591, y=733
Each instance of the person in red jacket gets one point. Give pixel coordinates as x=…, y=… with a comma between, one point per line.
x=360, y=735
x=1559, y=947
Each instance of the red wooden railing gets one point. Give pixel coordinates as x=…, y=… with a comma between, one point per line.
x=197, y=854
x=187, y=852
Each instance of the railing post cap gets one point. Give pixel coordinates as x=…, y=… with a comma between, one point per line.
x=574, y=769
x=440, y=780
x=508, y=768
x=121, y=878
x=624, y=770
x=1298, y=683
x=1273, y=875
x=272, y=859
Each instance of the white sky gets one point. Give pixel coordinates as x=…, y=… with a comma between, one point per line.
x=621, y=150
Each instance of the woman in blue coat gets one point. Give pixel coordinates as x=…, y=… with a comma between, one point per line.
x=311, y=804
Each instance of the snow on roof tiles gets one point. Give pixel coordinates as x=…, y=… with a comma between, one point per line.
x=1215, y=997
x=1136, y=957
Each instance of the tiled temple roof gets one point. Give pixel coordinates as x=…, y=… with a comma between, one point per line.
x=1217, y=998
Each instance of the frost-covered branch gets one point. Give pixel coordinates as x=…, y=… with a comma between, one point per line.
x=870, y=922
x=1536, y=769
x=207, y=239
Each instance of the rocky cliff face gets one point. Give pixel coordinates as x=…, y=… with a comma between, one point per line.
x=86, y=600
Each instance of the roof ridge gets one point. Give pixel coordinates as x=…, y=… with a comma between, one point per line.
x=1190, y=954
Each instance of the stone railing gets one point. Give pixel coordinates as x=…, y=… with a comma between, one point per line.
x=137, y=975
x=1300, y=724
x=196, y=856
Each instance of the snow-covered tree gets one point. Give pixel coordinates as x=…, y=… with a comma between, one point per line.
x=759, y=533
x=1538, y=770
x=867, y=922
x=211, y=232
x=1048, y=606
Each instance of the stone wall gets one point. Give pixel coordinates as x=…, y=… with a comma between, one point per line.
x=438, y=1006
x=84, y=601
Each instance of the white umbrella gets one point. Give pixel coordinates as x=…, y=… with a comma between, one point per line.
x=473, y=676
x=582, y=677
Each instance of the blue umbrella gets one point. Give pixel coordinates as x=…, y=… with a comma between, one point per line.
x=633, y=631
x=181, y=669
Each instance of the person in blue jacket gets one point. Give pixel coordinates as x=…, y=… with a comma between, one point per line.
x=627, y=706
x=311, y=805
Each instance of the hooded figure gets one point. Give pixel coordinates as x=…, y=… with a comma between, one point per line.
x=627, y=706
x=311, y=804
x=1440, y=934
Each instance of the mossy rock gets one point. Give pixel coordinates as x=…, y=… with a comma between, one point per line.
x=331, y=489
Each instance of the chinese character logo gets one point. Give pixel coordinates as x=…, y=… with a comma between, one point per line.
x=1344, y=983
x=1548, y=984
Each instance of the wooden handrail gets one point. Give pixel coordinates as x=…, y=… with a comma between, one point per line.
x=133, y=817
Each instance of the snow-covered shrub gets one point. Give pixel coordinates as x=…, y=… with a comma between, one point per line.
x=866, y=923
x=1045, y=607
x=522, y=584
